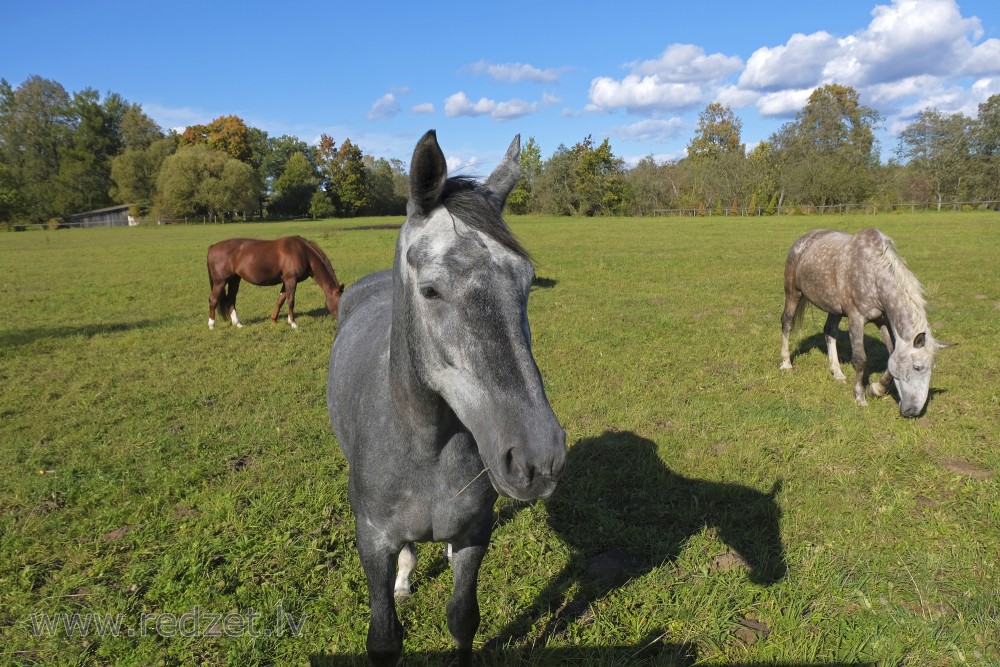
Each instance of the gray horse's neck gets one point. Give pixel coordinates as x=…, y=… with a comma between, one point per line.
x=905, y=320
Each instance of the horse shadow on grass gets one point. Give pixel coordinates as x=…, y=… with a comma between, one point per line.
x=624, y=513
x=18, y=337
x=666, y=655
x=875, y=350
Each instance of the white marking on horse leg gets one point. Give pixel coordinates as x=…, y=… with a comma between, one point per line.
x=211, y=323
x=859, y=394
x=831, y=353
x=235, y=319
x=292, y=322
x=405, y=563
x=448, y=552
x=786, y=360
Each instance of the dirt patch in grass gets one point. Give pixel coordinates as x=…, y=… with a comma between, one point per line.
x=966, y=468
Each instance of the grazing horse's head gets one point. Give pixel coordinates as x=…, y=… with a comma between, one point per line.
x=910, y=365
x=464, y=279
x=333, y=299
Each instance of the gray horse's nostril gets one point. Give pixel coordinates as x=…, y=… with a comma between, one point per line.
x=515, y=464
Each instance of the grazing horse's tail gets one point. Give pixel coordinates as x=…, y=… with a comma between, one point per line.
x=800, y=311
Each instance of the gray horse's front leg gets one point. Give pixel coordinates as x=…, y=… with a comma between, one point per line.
x=858, y=359
x=463, y=607
x=385, y=633
x=882, y=386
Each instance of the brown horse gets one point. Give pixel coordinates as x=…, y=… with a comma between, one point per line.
x=286, y=261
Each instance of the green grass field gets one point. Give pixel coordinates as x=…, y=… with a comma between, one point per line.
x=715, y=510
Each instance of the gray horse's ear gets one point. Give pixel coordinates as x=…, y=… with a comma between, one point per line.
x=428, y=172
x=505, y=176
x=920, y=340
x=940, y=344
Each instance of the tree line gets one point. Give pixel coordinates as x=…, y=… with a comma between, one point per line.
x=63, y=153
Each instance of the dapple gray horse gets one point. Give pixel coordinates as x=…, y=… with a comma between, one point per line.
x=434, y=394
x=863, y=277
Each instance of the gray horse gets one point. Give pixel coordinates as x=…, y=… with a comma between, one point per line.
x=434, y=394
x=863, y=277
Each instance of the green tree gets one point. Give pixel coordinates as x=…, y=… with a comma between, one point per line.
x=197, y=181
x=138, y=130
x=135, y=171
x=648, y=188
x=716, y=156
x=320, y=205
x=519, y=201
x=293, y=189
x=554, y=192
x=35, y=126
x=829, y=153
x=599, y=178
x=938, y=146
x=346, y=179
x=387, y=187
x=84, y=180
x=228, y=134
x=986, y=147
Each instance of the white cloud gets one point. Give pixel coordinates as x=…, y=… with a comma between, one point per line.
x=687, y=62
x=459, y=104
x=177, y=118
x=783, y=103
x=682, y=77
x=384, y=107
x=907, y=40
x=423, y=107
x=650, y=130
x=736, y=97
x=647, y=93
x=797, y=64
x=516, y=72
x=983, y=59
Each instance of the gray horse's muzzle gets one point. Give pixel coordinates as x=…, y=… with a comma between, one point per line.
x=531, y=470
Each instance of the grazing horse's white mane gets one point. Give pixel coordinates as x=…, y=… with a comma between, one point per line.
x=910, y=288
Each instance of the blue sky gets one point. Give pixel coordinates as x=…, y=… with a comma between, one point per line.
x=381, y=74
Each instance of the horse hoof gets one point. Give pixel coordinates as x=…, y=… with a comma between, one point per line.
x=786, y=365
x=401, y=594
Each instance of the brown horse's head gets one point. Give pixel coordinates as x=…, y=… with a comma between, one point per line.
x=333, y=299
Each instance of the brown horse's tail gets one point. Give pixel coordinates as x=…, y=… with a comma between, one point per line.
x=223, y=306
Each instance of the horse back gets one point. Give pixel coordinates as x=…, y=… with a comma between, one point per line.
x=374, y=286
x=834, y=270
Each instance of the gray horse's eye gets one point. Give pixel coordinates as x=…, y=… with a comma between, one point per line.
x=918, y=367
x=428, y=292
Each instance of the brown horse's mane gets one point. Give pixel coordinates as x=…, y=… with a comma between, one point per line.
x=323, y=259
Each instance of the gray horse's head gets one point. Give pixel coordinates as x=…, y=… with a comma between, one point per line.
x=910, y=365
x=465, y=280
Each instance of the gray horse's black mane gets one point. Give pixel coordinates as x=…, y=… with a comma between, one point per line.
x=467, y=199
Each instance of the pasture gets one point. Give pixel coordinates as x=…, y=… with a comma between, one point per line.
x=714, y=510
